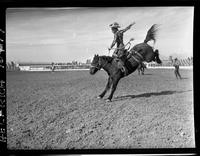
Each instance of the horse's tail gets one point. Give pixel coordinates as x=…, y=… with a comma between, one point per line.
x=151, y=34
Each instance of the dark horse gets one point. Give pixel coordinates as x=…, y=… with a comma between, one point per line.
x=141, y=68
x=137, y=54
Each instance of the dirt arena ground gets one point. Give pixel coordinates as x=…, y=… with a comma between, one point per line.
x=60, y=111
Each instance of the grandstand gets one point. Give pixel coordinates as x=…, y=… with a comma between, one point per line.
x=23, y=66
x=168, y=64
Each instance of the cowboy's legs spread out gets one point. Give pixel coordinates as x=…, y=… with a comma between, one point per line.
x=121, y=65
x=119, y=54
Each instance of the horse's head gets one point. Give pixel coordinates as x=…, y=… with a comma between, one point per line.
x=95, y=65
x=157, y=59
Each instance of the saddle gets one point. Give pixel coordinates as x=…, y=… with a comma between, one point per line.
x=121, y=63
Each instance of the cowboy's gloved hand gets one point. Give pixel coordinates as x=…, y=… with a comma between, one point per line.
x=132, y=23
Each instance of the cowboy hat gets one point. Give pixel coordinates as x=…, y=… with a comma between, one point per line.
x=115, y=25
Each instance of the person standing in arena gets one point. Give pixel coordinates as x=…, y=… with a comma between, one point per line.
x=176, y=64
x=52, y=66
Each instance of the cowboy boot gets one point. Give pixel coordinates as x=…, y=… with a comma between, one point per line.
x=122, y=67
x=125, y=70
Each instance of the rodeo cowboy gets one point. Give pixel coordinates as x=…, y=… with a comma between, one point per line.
x=118, y=39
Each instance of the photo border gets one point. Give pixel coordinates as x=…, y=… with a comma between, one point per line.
x=5, y=4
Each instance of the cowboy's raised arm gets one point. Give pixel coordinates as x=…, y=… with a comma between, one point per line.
x=127, y=28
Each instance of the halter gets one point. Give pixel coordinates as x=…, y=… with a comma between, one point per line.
x=98, y=67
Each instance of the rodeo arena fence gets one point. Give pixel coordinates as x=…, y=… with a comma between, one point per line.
x=14, y=66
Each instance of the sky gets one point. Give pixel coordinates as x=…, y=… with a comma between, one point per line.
x=68, y=34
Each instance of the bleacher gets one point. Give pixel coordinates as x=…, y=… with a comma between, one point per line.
x=188, y=62
x=12, y=66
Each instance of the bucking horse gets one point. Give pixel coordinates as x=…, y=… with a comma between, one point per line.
x=137, y=54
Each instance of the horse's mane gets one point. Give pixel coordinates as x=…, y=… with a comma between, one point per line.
x=107, y=58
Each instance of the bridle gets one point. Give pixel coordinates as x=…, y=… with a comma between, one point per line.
x=98, y=66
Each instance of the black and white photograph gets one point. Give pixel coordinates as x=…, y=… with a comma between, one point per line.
x=99, y=78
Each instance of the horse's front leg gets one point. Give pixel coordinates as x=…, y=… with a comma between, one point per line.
x=106, y=89
x=114, y=86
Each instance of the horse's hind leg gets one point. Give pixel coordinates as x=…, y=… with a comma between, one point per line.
x=138, y=71
x=106, y=89
x=142, y=71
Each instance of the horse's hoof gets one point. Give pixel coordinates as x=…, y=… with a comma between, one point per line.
x=99, y=97
x=108, y=100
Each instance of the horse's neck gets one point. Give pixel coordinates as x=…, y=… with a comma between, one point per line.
x=106, y=65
